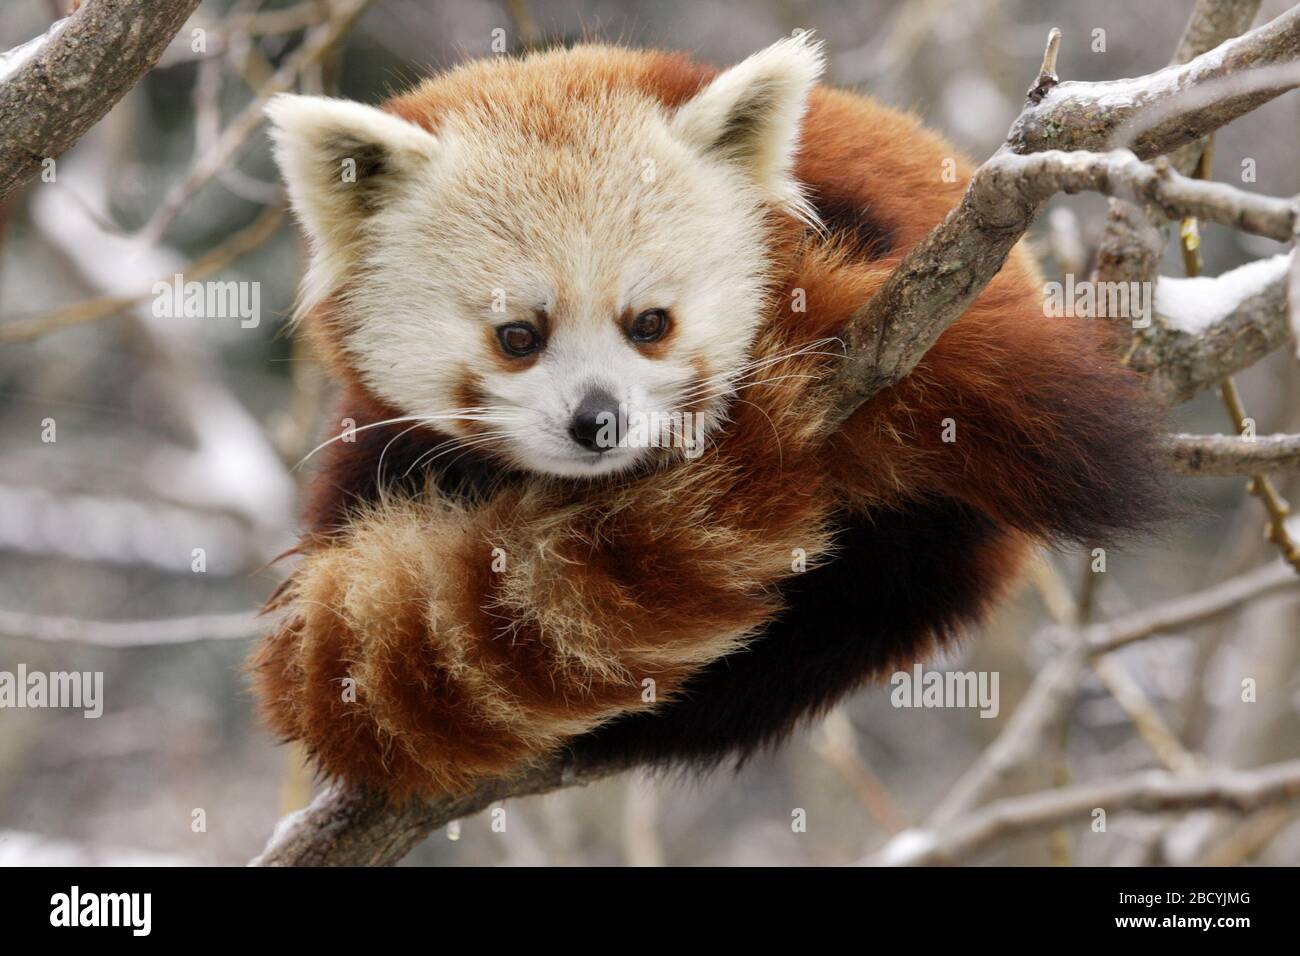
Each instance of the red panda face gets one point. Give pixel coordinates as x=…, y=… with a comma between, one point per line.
x=568, y=282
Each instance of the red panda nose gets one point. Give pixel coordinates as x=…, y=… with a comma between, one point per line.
x=594, y=425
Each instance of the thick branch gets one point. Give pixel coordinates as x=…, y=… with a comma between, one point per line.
x=1229, y=455
x=944, y=273
x=77, y=76
x=1212, y=22
x=1152, y=792
x=346, y=827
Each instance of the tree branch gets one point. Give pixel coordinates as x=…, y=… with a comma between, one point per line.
x=1107, y=114
x=1151, y=792
x=1121, y=174
x=76, y=76
x=353, y=827
x=177, y=630
x=1192, y=609
x=1230, y=455
x=1206, y=329
x=945, y=272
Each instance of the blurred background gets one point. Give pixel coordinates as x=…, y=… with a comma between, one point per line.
x=176, y=434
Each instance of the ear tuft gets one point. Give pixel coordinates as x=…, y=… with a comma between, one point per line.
x=341, y=161
x=750, y=114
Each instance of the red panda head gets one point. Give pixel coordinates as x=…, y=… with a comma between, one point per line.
x=543, y=262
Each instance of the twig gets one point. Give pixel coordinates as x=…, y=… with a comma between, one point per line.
x=1151, y=792
x=1260, y=486
x=102, y=307
x=318, y=42
x=1047, y=77
x=1119, y=684
x=77, y=76
x=1191, y=609
x=834, y=741
x=1229, y=455
x=176, y=630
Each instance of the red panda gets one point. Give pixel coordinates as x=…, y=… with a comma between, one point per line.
x=512, y=252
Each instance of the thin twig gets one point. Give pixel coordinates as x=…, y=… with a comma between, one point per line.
x=1150, y=792
x=101, y=307
x=176, y=630
x=318, y=42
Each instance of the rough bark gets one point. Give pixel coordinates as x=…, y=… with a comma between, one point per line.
x=1230, y=455
x=77, y=76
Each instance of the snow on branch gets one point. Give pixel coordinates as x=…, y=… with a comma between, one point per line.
x=1206, y=329
x=1155, y=114
x=944, y=273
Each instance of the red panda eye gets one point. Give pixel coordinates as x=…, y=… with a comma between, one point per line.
x=519, y=339
x=649, y=326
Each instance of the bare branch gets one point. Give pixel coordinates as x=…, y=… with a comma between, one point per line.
x=319, y=41
x=101, y=307
x=1120, y=173
x=1151, y=792
x=1193, y=609
x=1052, y=692
x=77, y=76
x=347, y=827
x=1229, y=455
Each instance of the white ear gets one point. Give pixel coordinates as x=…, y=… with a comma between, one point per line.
x=749, y=115
x=341, y=162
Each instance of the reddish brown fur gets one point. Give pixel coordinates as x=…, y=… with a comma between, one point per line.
x=465, y=671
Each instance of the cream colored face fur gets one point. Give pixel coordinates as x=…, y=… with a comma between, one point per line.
x=435, y=243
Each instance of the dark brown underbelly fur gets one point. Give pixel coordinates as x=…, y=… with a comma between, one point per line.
x=898, y=580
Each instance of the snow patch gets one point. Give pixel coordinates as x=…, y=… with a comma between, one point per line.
x=1194, y=305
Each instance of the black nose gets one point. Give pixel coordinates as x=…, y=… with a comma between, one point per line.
x=595, y=421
